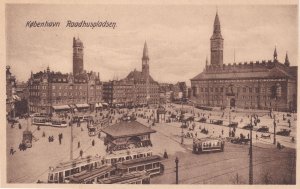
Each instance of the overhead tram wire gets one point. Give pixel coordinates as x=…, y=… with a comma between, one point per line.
x=224, y=169
x=242, y=168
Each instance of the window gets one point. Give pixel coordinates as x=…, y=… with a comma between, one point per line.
x=250, y=90
x=244, y=89
x=256, y=89
x=221, y=89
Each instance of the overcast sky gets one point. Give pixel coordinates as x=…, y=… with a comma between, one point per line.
x=177, y=37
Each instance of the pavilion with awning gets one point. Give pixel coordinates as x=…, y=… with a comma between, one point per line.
x=127, y=135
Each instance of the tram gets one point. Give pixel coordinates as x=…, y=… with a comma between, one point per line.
x=208, y=145
x=42, y=121
x=94, y=129
x=141, y=177
x=151, y=164
x=59, y=123
x=63, y=171
x=112, y=174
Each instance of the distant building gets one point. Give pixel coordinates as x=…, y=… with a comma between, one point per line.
x=118, y=93
x=54, y=91
x=256, y=85
x=138, y=88
x=173, y=92
x=11, y=96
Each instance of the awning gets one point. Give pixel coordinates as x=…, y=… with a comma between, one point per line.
x=82, y=106
x=98, y=105
x=61, y=107
x=104, y=104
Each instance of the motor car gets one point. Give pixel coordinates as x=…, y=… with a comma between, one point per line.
x=284, y=132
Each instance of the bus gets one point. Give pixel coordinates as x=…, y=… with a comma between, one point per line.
x=94, y=129
x=208, y=145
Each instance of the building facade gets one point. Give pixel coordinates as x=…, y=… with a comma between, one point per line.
x=10, y=93
x=250, y=85
x=138, y=88
x=50, y=91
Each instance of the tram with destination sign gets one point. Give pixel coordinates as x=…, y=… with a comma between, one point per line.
x=208, y=145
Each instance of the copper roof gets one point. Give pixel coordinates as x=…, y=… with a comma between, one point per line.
x=126, y=128
x=275, y=72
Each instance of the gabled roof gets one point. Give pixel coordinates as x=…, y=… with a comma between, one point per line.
x=125, y=128
x=137, y=77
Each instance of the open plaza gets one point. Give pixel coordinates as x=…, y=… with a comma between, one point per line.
x=270, y=164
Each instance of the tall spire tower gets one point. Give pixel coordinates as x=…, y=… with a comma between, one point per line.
x=145, y=61
x=77, y=56
x=145, y=69
x=216, y=43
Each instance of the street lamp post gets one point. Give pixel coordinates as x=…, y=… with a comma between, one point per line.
x=274, y=125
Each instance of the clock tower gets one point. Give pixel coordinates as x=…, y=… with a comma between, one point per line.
x=216, y=44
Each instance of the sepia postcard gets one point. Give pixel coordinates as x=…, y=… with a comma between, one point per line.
x=188, y=93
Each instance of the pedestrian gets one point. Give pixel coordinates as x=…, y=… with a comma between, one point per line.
x=256, y=137
x=20, y=127
x=44, y=134
x=99, y=135
x=11, y=151
x=81, y=153
x=93, y=142
x=248, y=136
x=222, y=132
x=78, y=145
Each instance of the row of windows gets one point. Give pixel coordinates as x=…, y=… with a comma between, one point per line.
x=75, y=87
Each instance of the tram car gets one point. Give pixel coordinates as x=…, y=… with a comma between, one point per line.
x=59, y=123
x=208, y=145
x=151, y=164
x=62, y=172
x=27, y=138
x=41, y=121
x=140, y=177
x=94, y=129
x=110, y=174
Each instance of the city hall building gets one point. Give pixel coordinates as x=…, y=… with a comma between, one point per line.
x=54, y=91
x=249, y=85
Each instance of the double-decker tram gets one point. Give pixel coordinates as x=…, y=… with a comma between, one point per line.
x=208, y=145
x=95, y=128
x=43, y=121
